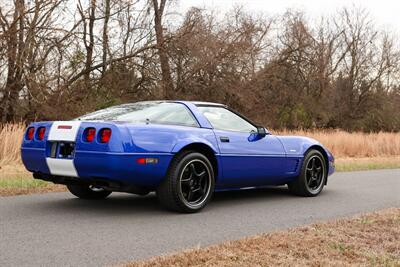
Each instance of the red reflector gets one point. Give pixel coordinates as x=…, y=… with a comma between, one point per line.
x=90, y=134
x=41, y=132
x=147, y=161
x=30, y=133
x=141, y=161
x=105, y=135
x=64, y=127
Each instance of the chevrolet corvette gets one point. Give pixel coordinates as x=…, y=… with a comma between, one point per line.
x=182, y=150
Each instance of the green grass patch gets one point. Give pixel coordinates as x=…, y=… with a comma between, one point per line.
x=21, y=182
x=353, y=165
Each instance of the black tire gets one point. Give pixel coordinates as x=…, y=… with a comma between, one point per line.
x=312, y=177
x=86, y=192
x=189, y=184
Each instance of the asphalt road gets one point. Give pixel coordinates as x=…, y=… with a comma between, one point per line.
x=57, y=229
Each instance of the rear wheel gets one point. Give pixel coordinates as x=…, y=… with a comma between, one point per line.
x=88, y=191
x=189, y=184
x=313, y=175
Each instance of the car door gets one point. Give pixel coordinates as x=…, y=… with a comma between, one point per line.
x=247, y=160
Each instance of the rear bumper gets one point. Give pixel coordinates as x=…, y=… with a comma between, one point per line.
x=103, y=166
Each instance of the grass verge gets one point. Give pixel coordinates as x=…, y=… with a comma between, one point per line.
x=367, y=240
x=364, y=164
x=15, y=180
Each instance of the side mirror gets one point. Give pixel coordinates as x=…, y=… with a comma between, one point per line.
x=261, y=131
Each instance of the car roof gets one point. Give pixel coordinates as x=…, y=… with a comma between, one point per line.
x=196, y=103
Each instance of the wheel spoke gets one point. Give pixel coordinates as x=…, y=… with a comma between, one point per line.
x=190, y=195
x=193, y=169
x=202, y=174
x=310, y=181
x=186, y=181
x=201, y=177
x=196, y=189
x=318, y=170
x=318, y=180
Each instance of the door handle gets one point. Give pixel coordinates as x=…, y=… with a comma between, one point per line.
x=224, y=139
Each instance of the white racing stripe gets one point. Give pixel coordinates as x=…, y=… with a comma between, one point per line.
x=62, y=167
x=63, y=131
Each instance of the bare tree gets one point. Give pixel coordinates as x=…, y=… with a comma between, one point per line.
x=105, y=33
x=167, y=84
x=88, y=17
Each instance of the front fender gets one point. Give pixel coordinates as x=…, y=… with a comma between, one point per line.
x=297, y=146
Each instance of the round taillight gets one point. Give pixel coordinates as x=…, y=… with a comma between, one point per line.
x=30, y=132
x=105, y=135
x=90, y=134
x=41, y=132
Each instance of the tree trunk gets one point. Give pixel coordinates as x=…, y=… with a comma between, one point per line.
x=105, y=33
x=90, y=45
x=166, y=82
x=15, y=49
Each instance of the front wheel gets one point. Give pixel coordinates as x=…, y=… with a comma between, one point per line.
x=189, y=184
x=88, y=191
x=313, y=175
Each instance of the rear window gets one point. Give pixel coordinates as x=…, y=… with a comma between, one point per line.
x=145, y=112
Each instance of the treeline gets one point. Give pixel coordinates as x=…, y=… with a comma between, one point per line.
x=62, y=58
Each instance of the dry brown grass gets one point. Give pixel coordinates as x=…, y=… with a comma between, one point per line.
x=10, y=143
x=368, y=240
x=357, y=144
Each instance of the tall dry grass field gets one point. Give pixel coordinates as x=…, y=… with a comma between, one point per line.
x=340, y=143
x=356, y=144
x=10, y=143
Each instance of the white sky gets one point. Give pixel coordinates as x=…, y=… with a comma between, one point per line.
x=386, y=13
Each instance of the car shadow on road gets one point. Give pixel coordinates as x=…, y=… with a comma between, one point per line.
x=120, y=203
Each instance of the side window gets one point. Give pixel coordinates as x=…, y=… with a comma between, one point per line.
x=223, y=119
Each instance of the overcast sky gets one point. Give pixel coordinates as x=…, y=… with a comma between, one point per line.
x=386, y=13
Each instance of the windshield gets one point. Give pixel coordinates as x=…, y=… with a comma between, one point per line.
x=145, y=112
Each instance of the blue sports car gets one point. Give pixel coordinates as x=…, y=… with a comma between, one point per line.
x=184, y=151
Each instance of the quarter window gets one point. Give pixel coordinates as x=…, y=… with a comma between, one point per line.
x=146, y=112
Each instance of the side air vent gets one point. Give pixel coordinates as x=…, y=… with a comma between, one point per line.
x=296, y=165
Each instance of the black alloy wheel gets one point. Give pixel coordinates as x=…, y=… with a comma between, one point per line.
x=315, y=173
x=312, y=177
x=189, y=184
x=195, y=182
